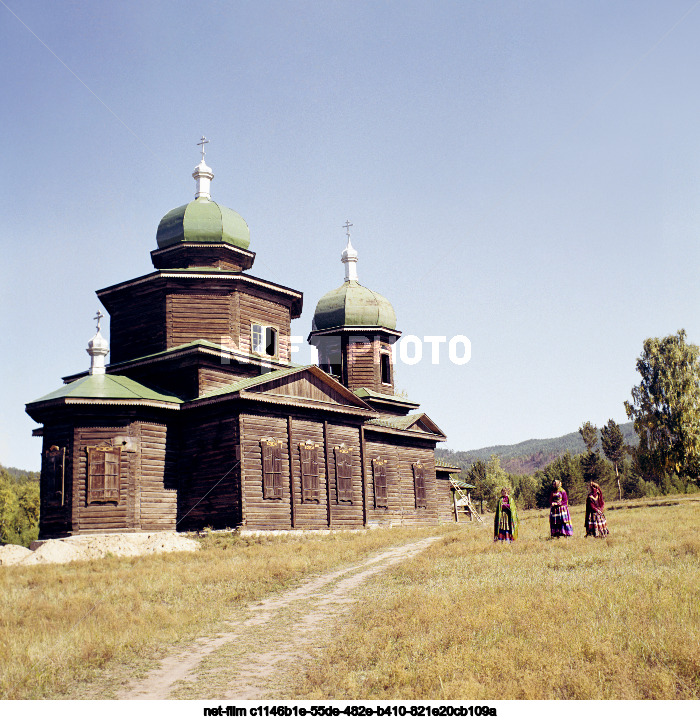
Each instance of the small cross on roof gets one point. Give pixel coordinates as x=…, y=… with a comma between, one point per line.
x=203, y=142
x=347, y=227
x=98, y=318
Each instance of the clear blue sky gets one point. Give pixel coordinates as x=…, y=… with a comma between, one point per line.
x=526, y=174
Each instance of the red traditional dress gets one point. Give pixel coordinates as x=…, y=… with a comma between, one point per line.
x=596, y=525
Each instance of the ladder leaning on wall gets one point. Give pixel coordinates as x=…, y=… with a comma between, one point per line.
x=463, y=500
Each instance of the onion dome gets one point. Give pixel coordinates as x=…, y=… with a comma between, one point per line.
x=203, y=220
x=97, y=349
x=352, y=304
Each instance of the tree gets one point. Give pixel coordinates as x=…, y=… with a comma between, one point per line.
x=567, y=470
x=589, y=433
x=591, y=464
x=665, y=407
x=613, y=447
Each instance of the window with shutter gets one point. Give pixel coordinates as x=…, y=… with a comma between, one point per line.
x=380, y=494
x=386, y=369
x=308, y=453
x=54, y=472
x=263, y=339
x=343, y=473
x=419, y=484
x=104, y=471
x=271, y=467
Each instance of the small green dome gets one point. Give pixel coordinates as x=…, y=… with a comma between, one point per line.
x=353, y=305
x=203, y=221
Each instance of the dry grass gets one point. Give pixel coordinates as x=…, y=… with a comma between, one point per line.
x=99, y=622
x=540, y=619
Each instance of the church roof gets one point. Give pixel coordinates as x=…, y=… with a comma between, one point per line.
x=203, y=221
x=353, y=305
x=106, y=387
x=417, y=422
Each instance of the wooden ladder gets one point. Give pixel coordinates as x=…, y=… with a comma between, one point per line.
x=463, y=499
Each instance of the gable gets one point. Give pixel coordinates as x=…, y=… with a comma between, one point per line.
x=307, y=386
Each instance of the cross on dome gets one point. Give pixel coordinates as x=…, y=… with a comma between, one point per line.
x=202, y=142
x=98, y=318
x=203, y=175
x=349, y=256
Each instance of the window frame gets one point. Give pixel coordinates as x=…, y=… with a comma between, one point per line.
x=381, y=495
x=419, y=488
x=309, y=472
x=343, y=481
x=271, y=467
x=97, y=490
x=264, y=329
x=385, y=359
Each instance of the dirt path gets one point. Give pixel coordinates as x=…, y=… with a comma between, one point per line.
x=270, y=641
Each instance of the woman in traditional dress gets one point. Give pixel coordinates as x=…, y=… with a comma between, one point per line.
x=505, y=523
x=559, y=518
x=596, y=525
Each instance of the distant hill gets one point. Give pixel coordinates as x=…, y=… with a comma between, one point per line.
x=529, y=456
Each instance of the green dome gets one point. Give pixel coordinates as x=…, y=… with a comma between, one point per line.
x=203, y=221
x=353, y=305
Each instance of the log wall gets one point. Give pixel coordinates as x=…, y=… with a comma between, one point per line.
x=100, y=517
x=210, y=472
x=55, y=516
x=155, y=502
x=266, y=311
x=137, y=327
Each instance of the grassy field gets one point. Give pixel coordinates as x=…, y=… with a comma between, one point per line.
x=99, y=622
x=568, y=619
x=539, y=619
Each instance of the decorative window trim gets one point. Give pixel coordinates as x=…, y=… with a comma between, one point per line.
x=261, y=346
x=381, y=498
x=103, y=474
x=343, y=473
x=309, y=476
x=55, y=472
x=271, y=464
x=419, y=485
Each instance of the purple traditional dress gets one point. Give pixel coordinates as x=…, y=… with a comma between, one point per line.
x=559, y=518
x=596, y=525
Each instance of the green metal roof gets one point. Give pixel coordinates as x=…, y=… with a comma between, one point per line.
x=369, y=393
x=401, y=423
x=353, y=305
x=203, y=221
x=108, y=387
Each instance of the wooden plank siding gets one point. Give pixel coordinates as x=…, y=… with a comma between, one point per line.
x=265, y=310
x=363, y=366
x=400, y=457
x=55, y=516
x=94, y=517
x=155, y=507
x=209, y=471
x=137, y=327
x=310, y=514
x=191, y=316
x=344, y=514
x=263, y=513
x=211, y=379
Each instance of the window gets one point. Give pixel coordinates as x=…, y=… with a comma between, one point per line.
x=104, y=470
x=271, y=467
x=264, y=339
x=386, y=368
x=54, y=472
x=308, y=453
x=419, y=485
x=380, y=495
x=343, y=473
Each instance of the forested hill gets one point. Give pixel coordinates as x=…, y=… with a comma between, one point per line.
x=529, y=456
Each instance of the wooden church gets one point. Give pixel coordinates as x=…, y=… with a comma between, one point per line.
x=202, y=420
